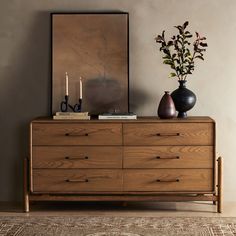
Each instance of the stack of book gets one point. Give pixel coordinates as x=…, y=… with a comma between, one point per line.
x=118, y=116
x=71, y=116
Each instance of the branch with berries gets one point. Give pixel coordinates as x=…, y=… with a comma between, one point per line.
x=177, y=51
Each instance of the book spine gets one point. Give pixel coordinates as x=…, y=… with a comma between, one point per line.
x=71, y=114
x=71, y=117
x=117, y=117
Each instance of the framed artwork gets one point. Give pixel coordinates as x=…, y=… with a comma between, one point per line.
x=94, y=47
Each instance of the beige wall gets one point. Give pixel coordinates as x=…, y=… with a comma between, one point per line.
x=25, y=70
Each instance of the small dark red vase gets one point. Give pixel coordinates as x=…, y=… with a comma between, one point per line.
x=166, y=108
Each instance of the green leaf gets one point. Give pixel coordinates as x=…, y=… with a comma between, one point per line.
x=185, y=24
x=189, y=36
x=166, y=57
x=172, y=74
x=180, y=28
x=166, y=51
x=177, y=60
x=200, y=57
x=178, y=69
x=168, y=62
x=187, y=53
x=159, y=39
x=203, y=44
x=163, y=34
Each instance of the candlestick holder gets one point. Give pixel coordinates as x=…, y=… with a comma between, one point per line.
x=78, y=106
x=65, y=104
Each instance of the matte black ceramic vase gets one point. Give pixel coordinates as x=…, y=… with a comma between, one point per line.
x=166, y=108
x=184, y=99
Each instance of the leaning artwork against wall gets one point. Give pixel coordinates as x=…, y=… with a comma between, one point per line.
x=94, y=47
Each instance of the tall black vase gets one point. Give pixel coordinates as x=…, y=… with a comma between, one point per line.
x=184, y=99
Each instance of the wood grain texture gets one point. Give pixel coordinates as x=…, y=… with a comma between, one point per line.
x=168, y=134
x=77, y=157
x=220, y=185
x=77, y=134
x=168, y=180
x=136, y=160
x=168, y=157
x=77, y=180
x=140, y=119
x=124, y=197
x=129, y=193
x=30, y=157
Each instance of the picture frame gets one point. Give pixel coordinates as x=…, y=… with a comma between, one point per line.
x=95, y=47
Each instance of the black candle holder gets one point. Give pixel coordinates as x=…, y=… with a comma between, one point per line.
x=78, y=106
x=65, y=105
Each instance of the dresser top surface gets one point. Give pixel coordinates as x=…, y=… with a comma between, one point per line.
x=143, y=119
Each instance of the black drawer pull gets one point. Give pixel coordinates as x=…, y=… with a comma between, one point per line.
x=76, y=134
x=164, y=158
x=167, y=180
x=76, y=158
x=167, y=134
x=77, y=180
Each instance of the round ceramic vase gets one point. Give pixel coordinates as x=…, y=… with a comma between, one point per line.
x=184, y=99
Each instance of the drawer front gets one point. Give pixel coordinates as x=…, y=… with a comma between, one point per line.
x=169, y=157
x=76, y=157
x=76, y=181
x=76, y=134
x=169, y=134
x=161, y=180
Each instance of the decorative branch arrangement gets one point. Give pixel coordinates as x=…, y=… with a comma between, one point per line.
x=177, y=51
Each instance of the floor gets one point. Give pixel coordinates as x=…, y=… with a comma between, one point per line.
x=203, y=209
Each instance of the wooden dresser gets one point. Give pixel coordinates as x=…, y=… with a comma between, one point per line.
x=148, y=159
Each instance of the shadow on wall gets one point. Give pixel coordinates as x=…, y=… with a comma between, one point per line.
x=138, y=99
x=105, y=95
x=26, y=94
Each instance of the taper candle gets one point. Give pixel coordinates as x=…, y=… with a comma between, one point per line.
x=67, y=81
x=80, y=88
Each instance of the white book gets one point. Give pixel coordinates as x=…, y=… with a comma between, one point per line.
x=64, y=117
x=71, y=113
x=117, y=117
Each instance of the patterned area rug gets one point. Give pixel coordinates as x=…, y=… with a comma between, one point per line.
x=113, y=226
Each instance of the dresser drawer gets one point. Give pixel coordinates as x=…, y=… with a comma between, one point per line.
x=77, y=157
x=76, y=181
x=169, y=134
x=168, y=157
x=160, y=180
x=76, y=134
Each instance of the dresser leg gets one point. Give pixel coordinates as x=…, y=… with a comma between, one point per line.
x=26, y=203
x=26, y=193
x=220, y=183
